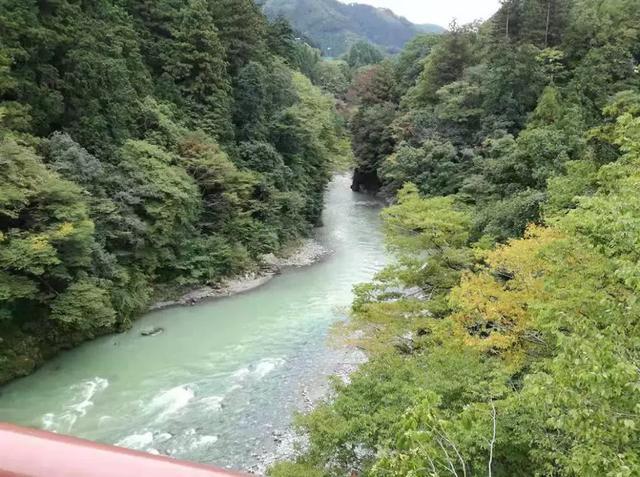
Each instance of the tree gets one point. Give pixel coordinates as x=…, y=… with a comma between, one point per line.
x=372, y=143
x=445, y=63
x=410, y=61
x=363, y=54
x=195, y=64
x=101, y=88
x=46, y=233
x=309, y=137
x=434, y=167
x=156, y=201
x=374, y=84
x=250, y=106
x=333, y=76
x=243, y=31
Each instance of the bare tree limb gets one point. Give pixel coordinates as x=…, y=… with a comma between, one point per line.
x=546, y=30
x=493, y=438
x=452, y=467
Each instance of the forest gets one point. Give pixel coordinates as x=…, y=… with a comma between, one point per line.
x=146, y=145
x=149, y=146
x=505, y=338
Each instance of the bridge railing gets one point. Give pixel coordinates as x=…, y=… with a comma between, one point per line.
x=34, y=453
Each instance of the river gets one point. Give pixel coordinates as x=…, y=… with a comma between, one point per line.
x=227, y=375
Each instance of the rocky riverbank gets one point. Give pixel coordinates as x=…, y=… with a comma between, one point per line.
x=288, y=443
x=341, y=362
x=305, y=254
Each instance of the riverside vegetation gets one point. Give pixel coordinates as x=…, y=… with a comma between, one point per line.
x=505, y=339
x=146, y=144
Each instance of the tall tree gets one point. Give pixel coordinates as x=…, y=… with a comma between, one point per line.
x=195, y=63
x=243, y=31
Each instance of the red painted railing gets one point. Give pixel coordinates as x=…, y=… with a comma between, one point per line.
x=34, y=453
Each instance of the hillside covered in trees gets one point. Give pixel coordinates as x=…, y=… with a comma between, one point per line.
x=146, y=144
x=505, y=339
x=335, y=26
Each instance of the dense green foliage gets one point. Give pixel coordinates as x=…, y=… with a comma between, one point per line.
x=505, y=338
x=335, y=26
x=146, y=144
x=491, y=112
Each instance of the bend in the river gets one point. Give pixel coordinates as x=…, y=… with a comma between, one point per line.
x=225, y=376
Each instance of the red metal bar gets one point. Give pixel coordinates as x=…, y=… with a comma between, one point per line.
x=35, y=453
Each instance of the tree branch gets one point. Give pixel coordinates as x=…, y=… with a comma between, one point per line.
x=493, y=438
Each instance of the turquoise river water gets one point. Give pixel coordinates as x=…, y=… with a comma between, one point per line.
x=226, y=375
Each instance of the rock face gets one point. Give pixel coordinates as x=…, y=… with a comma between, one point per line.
x=365, y=181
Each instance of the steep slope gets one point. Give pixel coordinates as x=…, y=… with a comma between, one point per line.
x=151, y=157
x=334, y=26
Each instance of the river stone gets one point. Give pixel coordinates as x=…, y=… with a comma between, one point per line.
x=155, y=331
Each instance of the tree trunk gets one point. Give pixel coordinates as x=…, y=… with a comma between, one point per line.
x=546, y=29
x=506, y=29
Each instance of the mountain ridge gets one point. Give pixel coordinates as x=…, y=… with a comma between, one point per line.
x=334, y=26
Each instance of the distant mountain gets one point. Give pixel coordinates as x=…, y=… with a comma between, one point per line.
x=335, y=26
